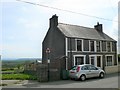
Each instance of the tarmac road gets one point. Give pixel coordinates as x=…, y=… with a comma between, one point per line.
x=110, y=81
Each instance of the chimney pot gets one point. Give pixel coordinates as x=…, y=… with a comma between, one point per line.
x=54, y=21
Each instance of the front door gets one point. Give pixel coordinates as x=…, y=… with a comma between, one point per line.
x=92, y=60
x=96, y=60
x=99, y=60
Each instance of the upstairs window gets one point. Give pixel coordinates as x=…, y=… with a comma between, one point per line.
x=113, y=46
x=91, y=45
x=108, y=46
x=104, y=46
x=98, y=46
x=79, y=45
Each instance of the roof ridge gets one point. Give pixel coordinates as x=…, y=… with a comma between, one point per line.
x=76, y=25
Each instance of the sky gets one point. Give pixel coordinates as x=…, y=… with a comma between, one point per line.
x=24, y=26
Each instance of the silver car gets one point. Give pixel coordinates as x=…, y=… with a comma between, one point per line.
x=85, y=71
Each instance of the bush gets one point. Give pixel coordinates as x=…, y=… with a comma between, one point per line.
x=18, y=77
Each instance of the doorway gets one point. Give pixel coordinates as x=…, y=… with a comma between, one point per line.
x=96, y=60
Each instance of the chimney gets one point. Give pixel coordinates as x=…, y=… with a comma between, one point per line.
x=54, y=21
x=98, y=27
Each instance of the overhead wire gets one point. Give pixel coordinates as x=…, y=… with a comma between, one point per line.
x=68, y=11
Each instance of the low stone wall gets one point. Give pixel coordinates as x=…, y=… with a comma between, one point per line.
x=42, y=73
x=31, y=72
x=112, y=69
x=53, y=71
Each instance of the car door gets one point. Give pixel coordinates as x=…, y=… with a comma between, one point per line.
x=86, y=71
x=93, y=71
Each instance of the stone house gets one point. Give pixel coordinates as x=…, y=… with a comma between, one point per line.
x=73, y=45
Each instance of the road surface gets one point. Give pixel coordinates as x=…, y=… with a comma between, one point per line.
x=110, y=81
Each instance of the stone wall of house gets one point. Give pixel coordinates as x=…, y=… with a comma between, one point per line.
x=112, y=69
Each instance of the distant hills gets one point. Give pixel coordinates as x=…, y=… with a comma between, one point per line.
x=14, y=62
x=21, y=59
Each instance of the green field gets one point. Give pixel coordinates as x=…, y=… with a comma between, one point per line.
x=14, y=69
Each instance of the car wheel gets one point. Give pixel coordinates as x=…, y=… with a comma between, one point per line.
x=101, y=75
x=72, y=78
x=82, y=77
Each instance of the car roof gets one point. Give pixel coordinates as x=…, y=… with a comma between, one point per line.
x=83, y=65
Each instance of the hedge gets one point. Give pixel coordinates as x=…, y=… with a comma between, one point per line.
x=18, y=77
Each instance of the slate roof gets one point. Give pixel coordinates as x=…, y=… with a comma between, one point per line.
x=76, y=31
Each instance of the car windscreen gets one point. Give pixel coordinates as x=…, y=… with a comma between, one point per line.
x=74, y=68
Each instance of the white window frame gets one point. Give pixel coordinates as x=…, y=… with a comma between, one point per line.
x=94, y=46
x=88, y=46
x=95, y=49
x=100, y=46
x=84, y=56
x=96, y=59
x=112, y=59
x=105, y=46
x=66, y=52
x=76, y=45
x=110, y=46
